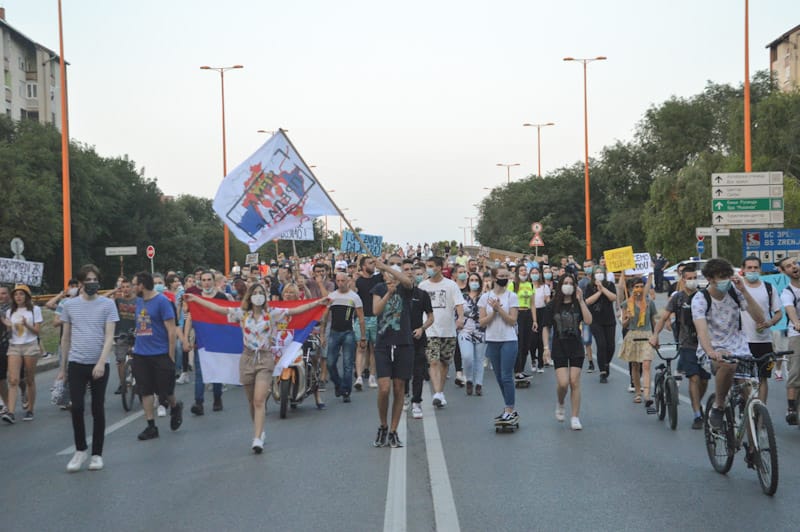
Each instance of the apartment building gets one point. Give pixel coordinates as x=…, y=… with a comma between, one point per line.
x=31, y=80
x=784, y=60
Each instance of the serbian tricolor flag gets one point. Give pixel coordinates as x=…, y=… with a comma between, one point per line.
x=220, y=343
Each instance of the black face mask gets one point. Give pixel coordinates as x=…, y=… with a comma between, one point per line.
x=91, y=288
x=501, y=282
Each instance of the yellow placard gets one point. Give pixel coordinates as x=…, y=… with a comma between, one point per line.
x=620, y=259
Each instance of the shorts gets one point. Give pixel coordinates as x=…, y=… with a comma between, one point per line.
x=779, y=340
x=587, y=334
x=760, y=349
x=155, y=374
x=252, y=368
x=567, y=353
x=688, y=364
x=440, y=349
x=31, y=349
x=3, y=366
x=394, y=361
x=793, y=373
x=121, y=350
x=370, y=326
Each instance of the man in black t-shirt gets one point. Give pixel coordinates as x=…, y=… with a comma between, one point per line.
x=394, y=350
x=420, y=304
x=365, y=356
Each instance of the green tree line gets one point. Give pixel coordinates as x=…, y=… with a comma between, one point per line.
x=653, y=190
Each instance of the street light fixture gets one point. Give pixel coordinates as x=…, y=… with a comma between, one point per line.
x=471, y=230
x=508, y=169
x=226, y=237
x=585, y=61
x=539, y=143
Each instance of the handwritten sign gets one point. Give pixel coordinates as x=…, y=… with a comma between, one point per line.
x=14, y=271
x=301, y=232
x=251, y=259
x=643, y=265
x=619, y=259
x=350, y=243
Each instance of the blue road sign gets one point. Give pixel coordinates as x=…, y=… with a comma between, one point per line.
x=701, y=246
x=770, y=245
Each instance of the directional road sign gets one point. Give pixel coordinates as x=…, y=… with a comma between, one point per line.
x=701, y=246
x=750, y=204
x=747, y=179
x=753, y=191
x=121, y=250
x=747, y=199
x=748, y=219
x=711, y=231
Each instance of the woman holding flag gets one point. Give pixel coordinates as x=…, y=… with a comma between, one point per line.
x=259, y=323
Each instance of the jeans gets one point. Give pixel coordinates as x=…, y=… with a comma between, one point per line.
x=473, y=355
x=346, y=341
x=503, y=356
x=178, y=356
x=79, y=376
x=199, y=385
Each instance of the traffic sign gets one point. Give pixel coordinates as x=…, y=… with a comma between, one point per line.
x=122, y=250
x=752, y=191
x=749, y=204
x=747, y=179
x=749, y=219
x=537, y=242
x=711, y=231
x=770, y=245
x=151, y=252
x=700, y=238
x=701, y=246
x=536, y=227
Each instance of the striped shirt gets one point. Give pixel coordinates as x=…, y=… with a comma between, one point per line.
x=88, y=320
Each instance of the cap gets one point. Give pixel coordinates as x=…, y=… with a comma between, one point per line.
x=22, y=287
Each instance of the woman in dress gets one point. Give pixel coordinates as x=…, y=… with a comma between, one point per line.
x=639, y=318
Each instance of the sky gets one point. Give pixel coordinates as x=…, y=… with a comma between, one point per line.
x=404, y=109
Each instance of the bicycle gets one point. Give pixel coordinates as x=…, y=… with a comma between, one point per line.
x=753, y=419
x=665, y=391
x=128, y=383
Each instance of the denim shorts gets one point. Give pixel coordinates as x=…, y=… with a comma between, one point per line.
x=688, y=364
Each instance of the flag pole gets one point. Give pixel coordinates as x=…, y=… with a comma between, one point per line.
x=319, y=184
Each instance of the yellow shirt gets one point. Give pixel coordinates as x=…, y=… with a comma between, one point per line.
x=524, y=292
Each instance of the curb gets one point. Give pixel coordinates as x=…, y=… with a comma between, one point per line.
x=47, y=364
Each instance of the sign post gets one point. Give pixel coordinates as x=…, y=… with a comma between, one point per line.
x=536, y=241
x=151, y=252
x=121, y=251
x=746, y=199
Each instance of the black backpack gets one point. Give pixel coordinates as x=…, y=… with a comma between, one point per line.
x=684, y=312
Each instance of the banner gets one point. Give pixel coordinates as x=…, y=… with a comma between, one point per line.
x=271, y=192
x=619, y=259
x=220, y=343
x=14, y=271
x=350, y=243
x=301, y=232
x=643, y=265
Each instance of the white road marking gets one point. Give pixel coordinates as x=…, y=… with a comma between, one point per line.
x=684, y=399
x=444, y=506
x=116, y=426
x=394, y=516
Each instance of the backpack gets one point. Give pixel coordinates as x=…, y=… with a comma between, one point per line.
x=684, y=312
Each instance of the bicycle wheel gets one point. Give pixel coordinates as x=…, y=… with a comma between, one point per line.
x=285, y=391
x=659, y=396
x=128, y=387
x=766, y=460
x=671, y=395
x=719, y=443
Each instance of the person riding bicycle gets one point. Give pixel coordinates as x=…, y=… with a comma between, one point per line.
x=719, y=332
x=680, y=304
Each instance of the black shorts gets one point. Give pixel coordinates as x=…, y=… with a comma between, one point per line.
x=155, y=374
x=3, y=364
x=757, y=350
x=567, y=353
x=395, y=361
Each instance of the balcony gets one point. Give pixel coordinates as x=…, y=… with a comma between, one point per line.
x=31, y=76
x=31, y=104
x=8, y=94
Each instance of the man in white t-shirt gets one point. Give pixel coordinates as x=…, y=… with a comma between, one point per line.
x=447, y=302
x=345, y=305
x=790, y=298
x=759, y=336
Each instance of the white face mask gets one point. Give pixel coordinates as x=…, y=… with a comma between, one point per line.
x=600, y=277
x=691, y=284
x=567, y=289
x=258, y=299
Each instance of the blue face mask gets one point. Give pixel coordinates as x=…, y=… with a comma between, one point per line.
x=159, y=288
x=752, y=276
x=724, y=286
x=462, y=276
x=419, y=278
x=534, y=277
x=548, y=276
x=474, y=286
x=588, y=270
x=430, y=271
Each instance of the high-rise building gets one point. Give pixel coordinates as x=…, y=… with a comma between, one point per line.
x=31, y=79
x=784, y=60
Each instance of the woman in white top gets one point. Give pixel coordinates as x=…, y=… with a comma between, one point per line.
x=24, y=319
x=497, y=311
x=541, y=297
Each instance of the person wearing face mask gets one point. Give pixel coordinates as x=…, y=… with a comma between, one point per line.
x=639, y=317
x=680, y=304
x=125, y=302
x=87, y=342
x=421, y=320
x=523, y=287
x=497, y=312
x=584, y=282
x=541, y=297
x=460, y=278
x=568, y=311
x=601, y=294
x=472, y=337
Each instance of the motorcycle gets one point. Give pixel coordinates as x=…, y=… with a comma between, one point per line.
x=300, y=379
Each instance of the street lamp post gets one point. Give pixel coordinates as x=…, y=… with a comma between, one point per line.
x=586, y=151
x=464, y=227
x=748, y=157
x=471, y=230
x=508, y=169
x=225, y=234
x=66, y=217
x=539, y=144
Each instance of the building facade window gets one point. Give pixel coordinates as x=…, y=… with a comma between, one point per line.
x=32, y=90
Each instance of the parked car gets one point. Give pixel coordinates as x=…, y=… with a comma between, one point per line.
x=671, y=273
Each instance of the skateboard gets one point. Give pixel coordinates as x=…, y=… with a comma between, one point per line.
x=522, y=383
x=506, y=426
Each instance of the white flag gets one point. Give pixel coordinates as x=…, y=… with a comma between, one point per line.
x=271, y=192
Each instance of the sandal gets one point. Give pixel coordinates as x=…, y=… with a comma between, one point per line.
x=637, y=399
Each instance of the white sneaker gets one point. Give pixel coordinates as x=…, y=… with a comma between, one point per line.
x=96, y=463
x=442, y=399
x=373, y=382
x=359, y=384
x=437, y=399
x=77, y=461
x=183, y=379
x=631, y=389
x=540, y=370
x=576, y=424
x=560, y=412
x=162, y=412
x=258, y=444
x=416, y=410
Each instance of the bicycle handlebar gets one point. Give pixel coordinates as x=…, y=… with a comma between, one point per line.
x=667, y=344
x=758, y=360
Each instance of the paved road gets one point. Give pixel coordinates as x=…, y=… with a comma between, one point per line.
x=624, y=471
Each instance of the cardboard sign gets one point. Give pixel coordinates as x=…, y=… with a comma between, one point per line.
x=251, y=259
x=350, y=243
x=305, y=231
x=619, y=259
x=14, y=271
x=643, y=265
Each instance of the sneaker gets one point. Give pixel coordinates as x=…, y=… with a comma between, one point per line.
x=161, y=411
x=559, y=412
x=394, y=440
x=540, y=370
x=442, y=400
x=119, y=390
x=77, y=461
x=217, y=404
x=197, y=409
x=631, y=389
x=96, y=463
x=380, y=439
x=791, y=417
x=478, y=389
x=501, y=416
x=697, y=424
x=149, y=433
x=437, y=401
x=373, y=382
x=715, y=418
x=176, y=416
x=9, y=418
x=591, y=367
x=416, y=410
x=359, y=384
x=575, y=424
x=459, y=380
x=183, y=378
x=603, y=377
x=3, y=410
x=514, y=416
x=346, y=398
x=258, y=445
x=469, y=387
x=28, y=416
